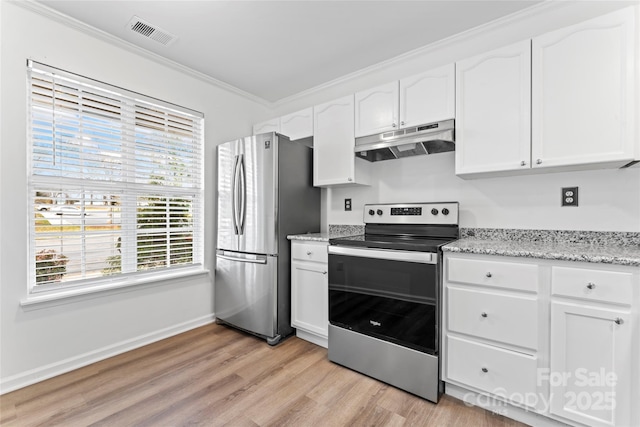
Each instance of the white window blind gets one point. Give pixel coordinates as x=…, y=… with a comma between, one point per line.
x=115, y=182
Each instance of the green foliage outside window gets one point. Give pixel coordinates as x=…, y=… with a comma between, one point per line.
x=50, y=266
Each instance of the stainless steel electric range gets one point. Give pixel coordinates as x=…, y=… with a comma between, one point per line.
x=384, y=295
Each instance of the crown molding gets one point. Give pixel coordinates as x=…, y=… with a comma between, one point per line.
x=519, y=16
x=41, y=9
x=539, y=9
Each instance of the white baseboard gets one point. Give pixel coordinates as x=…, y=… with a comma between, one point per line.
x=36, y=375
x=311, y=337
x=500, y=407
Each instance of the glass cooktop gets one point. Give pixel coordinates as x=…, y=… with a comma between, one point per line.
x=406, y=243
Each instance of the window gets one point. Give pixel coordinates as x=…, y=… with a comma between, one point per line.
x=115, y=183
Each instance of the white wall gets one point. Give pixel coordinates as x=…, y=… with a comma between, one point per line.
x=609, y=200
x=41, y=341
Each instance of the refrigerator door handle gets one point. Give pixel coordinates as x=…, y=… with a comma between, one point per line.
x=254, y=259
x=234, y=194
x=243, y=193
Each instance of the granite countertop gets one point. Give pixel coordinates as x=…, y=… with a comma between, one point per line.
x=314, y=237
x=334, y=231
x=596, y=247
x=621, y=248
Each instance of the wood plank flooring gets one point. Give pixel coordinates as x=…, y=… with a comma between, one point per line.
x=217, y=376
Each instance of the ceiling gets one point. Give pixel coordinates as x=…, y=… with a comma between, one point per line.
x=275, y=49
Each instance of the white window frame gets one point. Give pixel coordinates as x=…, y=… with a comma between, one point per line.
x=132, y=191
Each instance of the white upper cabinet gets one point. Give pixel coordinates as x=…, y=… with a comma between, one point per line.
x=376, y=109
x=583, y=86
x=334, y=160
x=570, y=105
x=272, y=125
x=428, y=97
x=415, y=100
x=493, y=110
x=297, y=125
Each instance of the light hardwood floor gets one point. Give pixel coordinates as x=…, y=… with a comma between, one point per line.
x=214, y=376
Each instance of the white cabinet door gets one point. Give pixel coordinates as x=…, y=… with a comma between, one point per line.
x=376, y=109
x=309, y=297
x=272, y=125
x=583, y=86
x=297, y=125
x=590, y=364
x=428, y=97
x=334, y=161
x=493, y=110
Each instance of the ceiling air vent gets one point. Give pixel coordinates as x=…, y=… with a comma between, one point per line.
x=150, y=31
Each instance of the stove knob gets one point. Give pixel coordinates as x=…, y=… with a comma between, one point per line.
x=445, y=211
x=371, y=212
x=379, y=212
x=434, y=211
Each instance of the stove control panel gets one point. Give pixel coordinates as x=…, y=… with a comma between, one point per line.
x=444, y=213
x=406, y=211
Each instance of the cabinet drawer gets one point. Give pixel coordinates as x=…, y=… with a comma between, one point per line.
x=508, y=319
x=595, y=285
x=312, y=251
x=491, y=369
x=508, y=275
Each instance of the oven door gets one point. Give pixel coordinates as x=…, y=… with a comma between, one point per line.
x=388, y=294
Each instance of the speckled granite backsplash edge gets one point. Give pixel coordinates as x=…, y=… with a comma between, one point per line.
x=553, y=236
x=345, y=230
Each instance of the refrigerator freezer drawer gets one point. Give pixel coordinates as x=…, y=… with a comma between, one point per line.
x=245, y=294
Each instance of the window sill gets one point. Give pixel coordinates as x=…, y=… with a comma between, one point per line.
x=126, y=284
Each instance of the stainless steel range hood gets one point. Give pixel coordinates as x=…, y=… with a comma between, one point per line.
x=437, y=137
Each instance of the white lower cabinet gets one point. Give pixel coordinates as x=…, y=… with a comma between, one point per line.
x=491, y=369
x=309, y=291
x=592, y=355
x=492, y=327
x=509, y=319
x=568, y=349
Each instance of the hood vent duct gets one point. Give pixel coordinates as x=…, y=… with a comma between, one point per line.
x=150, y=31
x=430, y=138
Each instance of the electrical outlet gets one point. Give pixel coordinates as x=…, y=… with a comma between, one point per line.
x=347, y=204
x=570, y=196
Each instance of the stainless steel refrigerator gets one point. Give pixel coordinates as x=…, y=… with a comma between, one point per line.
x=265, y=192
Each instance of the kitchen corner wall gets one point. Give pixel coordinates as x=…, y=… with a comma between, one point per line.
x=609, y=200
x=40, y=341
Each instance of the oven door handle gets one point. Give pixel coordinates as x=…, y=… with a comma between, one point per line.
x=393, y=255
